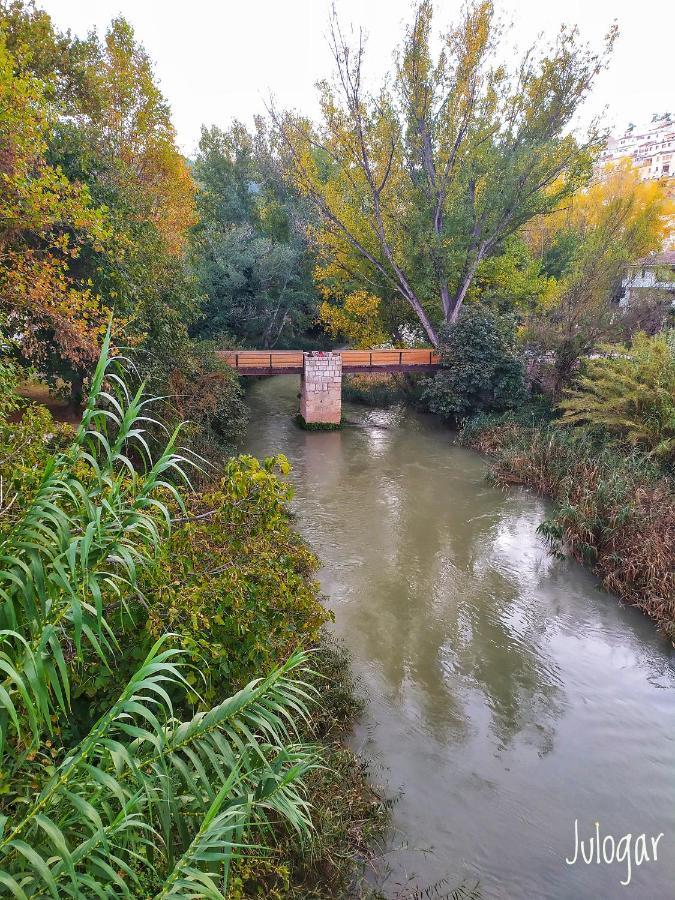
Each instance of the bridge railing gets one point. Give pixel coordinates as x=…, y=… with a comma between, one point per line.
x=261, y=359
x=375, y=358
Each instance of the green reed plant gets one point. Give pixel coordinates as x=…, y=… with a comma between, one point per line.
x=630, y=392
x=145, y=803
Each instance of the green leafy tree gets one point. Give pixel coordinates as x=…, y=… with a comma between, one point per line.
x=514, y=280
x=251, y=255
x=420, y=182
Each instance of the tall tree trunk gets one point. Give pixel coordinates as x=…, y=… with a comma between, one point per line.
x=424, y=320
x=445, y=299
x=458, y=299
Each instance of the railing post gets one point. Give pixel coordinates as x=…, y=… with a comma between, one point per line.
x=400, y=357
x=270, y=360
x=370, y=359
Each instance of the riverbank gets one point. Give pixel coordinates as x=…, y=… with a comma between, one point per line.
x=254, y=601
x=615, y=508
x=349, y=818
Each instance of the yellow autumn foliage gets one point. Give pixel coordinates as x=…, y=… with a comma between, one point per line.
x=635, y=212
x=357, y=318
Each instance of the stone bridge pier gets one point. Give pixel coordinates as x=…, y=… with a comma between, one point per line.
x=321, y=388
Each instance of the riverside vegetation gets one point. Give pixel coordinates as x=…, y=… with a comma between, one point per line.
x=162, y=658
x=605, y=456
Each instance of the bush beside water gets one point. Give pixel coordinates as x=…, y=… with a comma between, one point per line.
x=482, y=369
x=615, y=507
x=380, y=389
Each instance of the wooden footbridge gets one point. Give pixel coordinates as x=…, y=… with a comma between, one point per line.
x=321, y=372
x=288, y=362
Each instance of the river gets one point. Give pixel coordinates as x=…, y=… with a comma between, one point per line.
x=508, y=696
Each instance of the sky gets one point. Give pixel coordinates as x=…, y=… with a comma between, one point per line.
x=219, y=60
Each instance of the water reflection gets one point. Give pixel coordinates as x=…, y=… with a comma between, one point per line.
x=508, y=696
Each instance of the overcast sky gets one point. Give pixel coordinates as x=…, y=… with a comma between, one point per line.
x=219, y=59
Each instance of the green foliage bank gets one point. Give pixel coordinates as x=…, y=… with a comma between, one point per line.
x=159, y=715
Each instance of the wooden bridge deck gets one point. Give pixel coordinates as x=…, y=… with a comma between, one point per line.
x=288, y=362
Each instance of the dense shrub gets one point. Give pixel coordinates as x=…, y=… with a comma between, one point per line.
x=629, y=392
x=615, y=511
x=201, y=393
x=482, y=369
x=482, y=429
x=227, y=574
x=379, y=389
x=349, y=818
x=235, y=581
x=27, y=435
x=208, y=397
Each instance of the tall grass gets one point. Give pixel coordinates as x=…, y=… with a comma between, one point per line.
x=144, y=803
x=615, y=509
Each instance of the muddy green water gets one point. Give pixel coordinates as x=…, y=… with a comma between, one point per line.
x=508, y=696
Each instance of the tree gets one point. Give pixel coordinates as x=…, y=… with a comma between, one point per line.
x=357, y=319
x=129, y=125
x=482, y=370
x=60, y=61
x=108, y=136
x=587, y=244
x=118, y=138
x=514, y=280
x=419, y=183
x=112, y=198
x=46, y=223
x=250, y=252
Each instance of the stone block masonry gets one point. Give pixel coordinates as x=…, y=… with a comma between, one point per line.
x=321, y=388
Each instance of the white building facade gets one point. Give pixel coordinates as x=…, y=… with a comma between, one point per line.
x=653, y=273
x=651, y=148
